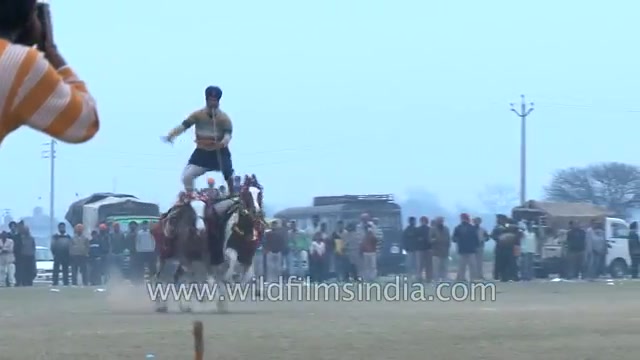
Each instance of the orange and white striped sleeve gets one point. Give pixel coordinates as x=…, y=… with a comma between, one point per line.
x=55, y=102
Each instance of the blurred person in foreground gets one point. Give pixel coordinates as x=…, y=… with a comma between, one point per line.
x=38, y=91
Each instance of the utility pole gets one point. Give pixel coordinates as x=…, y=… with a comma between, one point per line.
x=522, y=114
x=50, y=154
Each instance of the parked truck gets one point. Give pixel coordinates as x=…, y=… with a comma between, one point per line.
x=551, y=222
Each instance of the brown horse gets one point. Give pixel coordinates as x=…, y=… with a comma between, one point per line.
x=228, y=223
x=177, y=237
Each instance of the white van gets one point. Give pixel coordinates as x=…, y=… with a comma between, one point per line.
x=618, y=261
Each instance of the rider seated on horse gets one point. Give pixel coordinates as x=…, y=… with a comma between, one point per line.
x=213, y=130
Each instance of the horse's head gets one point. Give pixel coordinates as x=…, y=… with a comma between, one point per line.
x=251, y=199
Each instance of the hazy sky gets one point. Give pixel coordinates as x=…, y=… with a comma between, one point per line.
x=336, y=96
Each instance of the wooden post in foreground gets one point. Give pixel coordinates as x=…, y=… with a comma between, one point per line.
x=198, y=344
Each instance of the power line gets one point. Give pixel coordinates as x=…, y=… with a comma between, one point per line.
x=522, y=114
x=50, y=154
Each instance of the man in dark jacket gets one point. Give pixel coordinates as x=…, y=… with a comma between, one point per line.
x=634, y=249
x=576, y=246
x=409, y=243
x=95, y=259
x=117, y=244
x=465, y=236
x=274, y=246
x=507, y=237
x=60, y=244
x=424, y=258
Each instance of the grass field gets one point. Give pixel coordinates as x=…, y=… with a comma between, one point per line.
x=570, y=321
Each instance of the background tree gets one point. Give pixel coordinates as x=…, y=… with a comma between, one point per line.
x=614, y=185
x=420, y=202
x=499, y=199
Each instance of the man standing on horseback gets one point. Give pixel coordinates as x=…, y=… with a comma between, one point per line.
x=213, y=133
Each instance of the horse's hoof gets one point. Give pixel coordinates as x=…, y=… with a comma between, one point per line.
x=162, y=309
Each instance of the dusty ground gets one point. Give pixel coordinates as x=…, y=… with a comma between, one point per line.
x=529, y=321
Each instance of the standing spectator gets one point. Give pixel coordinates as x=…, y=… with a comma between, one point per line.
x=440, y=245
x=27, y=255
x=275, y=241
x=634, y=249
x=377, y=230
x=329, y=248
x=104, y=247
x=118, y=246
x=527, y=249
x=410, y=237
x=368, y=243
x=596, y=250
x=130, y=237
x=576, y=247
x=7, y=261
x=465, y=236
x=506, y=237
x=483, y=236
x=341, y=259
x=299, y=244
x=60, y=244
x=317, y=252
x=94, y=265
x=145, y=255
x=15, y=235
x=424, y=256
x=222, y=191
x=330, y=252
x=352, y=252
x=79, y=252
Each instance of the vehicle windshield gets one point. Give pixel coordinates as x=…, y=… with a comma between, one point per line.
x=124, y=221
x=44, y=255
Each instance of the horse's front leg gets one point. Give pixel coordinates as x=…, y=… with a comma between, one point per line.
x=158, y=279
x=246, y=276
